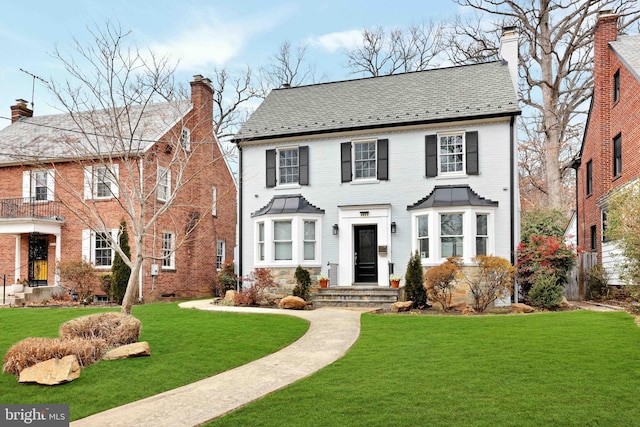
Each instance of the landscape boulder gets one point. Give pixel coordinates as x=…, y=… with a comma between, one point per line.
x=468, y=310
x=292, y=303
x=52, y=371
x=230, y=296
x=401, y=306
x=137, y=349
x=521, y=308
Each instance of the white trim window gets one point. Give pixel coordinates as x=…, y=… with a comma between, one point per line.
x=101, y=182
x=451, y=150
x=451, y=235
x=309, y=240
x=282, y=241
x=288, y=166
x=96, y=248
x=38, y=185
x=260, y=240
x=168, y=250
x=482, y=233
x=288, y=241
x=441, y=233
x=364, y=160
x=220, y=248
x=185, y=139
x=423, y=236
x=164, y=183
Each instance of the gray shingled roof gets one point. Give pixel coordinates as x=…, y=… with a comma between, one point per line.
x=627, y=47
x=58, y=137
x=445, y=94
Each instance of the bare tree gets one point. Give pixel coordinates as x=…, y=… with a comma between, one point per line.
x=397, y=51
x=555, y=67
x=288, y=67
x=111, y=90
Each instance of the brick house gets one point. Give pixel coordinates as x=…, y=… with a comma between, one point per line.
x=63, y=191
x=350, y=178
x=609, y=157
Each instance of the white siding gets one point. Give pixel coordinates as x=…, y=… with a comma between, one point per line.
x=406, y=185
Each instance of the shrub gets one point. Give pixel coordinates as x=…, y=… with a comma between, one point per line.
x=494, y=280
x=105, y=283
x=31, y=351
x=543, y=255
x=597, y=280
x=542, y=222
x=120, y=271
x=227, y=280
x=303, y=283
x=440, y=281
x=79, y=277
x=546, y=292
x=113, y=328
x=261, y=280
x=414, y=283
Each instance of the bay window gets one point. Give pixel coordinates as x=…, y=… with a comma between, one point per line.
x=290, y=241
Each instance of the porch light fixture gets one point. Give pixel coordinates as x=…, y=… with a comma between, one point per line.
x=393, y=228
x=335, y=229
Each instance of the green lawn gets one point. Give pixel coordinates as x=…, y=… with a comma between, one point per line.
x=186, y=345
x=571, y=369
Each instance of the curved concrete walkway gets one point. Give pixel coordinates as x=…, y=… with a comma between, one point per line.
x=331, y=333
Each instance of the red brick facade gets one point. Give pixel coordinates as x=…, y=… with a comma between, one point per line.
x=190, y=218
x=609, y=118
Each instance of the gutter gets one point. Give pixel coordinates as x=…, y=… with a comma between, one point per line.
x=240, y=221
x=390, y=126
x=512, y=196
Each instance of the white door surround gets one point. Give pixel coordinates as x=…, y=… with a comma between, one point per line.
x=356, y=215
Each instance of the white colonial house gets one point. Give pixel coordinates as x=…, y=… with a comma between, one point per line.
x=355, y=176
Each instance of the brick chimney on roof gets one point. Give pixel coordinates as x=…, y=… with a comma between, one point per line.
x=20, y=110
x=202, y=100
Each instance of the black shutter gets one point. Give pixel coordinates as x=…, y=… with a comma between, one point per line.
x=271, y=168
x=383, y=159
x=431, y=151
x=345, y=158
x=303, y=158
x=472, y=153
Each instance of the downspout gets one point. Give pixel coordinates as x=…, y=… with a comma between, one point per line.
x=239, y=215
x=512, y=195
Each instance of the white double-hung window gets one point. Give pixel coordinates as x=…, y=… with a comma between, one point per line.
x=38, y=185
x=101, y=182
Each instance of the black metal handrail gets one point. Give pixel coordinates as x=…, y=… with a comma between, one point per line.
x=29, y=207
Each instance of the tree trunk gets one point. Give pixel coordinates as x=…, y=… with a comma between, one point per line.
x=130, y=294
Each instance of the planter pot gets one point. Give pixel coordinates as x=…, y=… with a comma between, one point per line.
x=17, y=287
x=395, y=283
x=324, y=283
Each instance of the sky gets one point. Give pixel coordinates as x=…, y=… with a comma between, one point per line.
x=198, y=35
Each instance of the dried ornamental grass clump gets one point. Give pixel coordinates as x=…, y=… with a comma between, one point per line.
x=31, y=351
x=115, y=329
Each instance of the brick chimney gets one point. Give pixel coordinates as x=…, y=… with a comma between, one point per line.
x=202, y=100
x=20, y=110
x=201, y=92
x=509, y=52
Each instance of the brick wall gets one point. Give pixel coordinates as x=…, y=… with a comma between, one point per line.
x=607, y=119
x=195, y=258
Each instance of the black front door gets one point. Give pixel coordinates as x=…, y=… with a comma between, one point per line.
x=366, y=257
x=38, y=252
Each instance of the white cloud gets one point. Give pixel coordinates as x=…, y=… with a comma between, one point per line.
x=211, y=40
x=333, y=42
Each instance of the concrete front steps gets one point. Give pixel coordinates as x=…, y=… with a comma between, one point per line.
x=35, y=294
x=357, y=297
